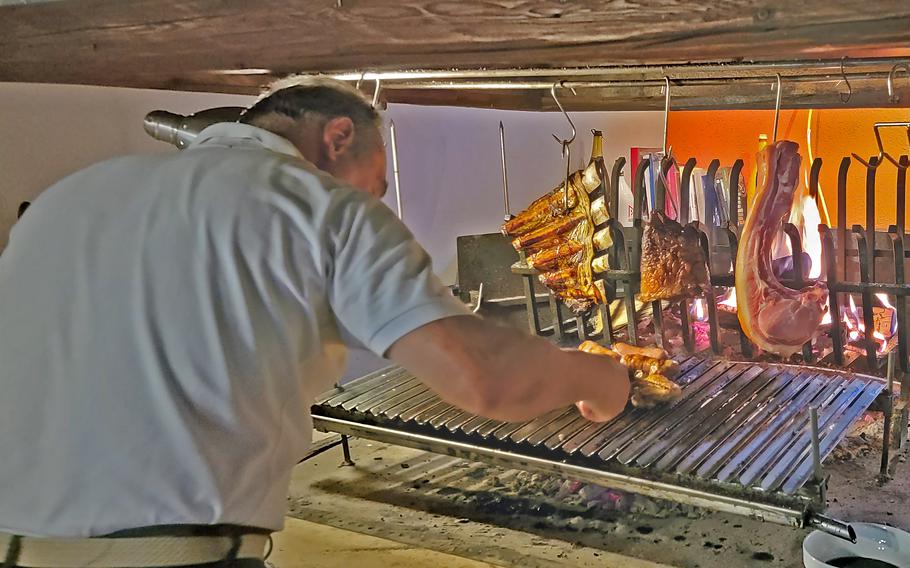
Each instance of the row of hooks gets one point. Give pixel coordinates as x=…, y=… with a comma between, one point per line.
x=565, y=143
x=777, y=86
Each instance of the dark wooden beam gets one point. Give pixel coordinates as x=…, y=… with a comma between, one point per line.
x=185, y=44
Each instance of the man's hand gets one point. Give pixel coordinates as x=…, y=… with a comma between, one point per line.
x=608, y=407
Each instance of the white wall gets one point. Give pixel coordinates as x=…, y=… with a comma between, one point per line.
x=50, y=131
x=451, y=181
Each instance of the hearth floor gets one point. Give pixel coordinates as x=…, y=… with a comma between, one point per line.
x=474, y=511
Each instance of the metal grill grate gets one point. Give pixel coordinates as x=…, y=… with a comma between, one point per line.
x=740, y=432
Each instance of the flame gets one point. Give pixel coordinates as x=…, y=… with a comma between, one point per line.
x=812, y=241
x=856, y=327
x=806, y=218
x=883, y=298
x=883, y=341
x=700, y=309
x=886, y=303
x=853, y=322
x=729, y=299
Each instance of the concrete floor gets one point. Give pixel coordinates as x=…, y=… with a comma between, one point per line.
x=305, y=544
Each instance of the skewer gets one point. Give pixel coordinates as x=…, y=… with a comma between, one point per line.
x=505, y=175
x=565, y=187
x=395, y=176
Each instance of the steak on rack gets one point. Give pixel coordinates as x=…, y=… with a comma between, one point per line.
x=673, y=264
x=776, y=318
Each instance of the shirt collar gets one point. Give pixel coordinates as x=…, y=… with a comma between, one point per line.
x=238, y=134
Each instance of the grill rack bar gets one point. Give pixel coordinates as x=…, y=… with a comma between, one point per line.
x=737, y=440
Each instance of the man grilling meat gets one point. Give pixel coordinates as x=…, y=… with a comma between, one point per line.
x=168, y=320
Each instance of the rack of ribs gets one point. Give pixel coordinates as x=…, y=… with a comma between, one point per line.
x=560, y=242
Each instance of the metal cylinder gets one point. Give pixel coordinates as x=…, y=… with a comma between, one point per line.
x=831, y=526
x=181, y=130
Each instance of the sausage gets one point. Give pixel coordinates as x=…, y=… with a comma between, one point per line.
x=625, y=350
x=598, y=349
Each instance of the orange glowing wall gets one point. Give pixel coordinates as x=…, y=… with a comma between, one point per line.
x=729, y=135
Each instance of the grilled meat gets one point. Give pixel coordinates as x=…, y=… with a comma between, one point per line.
x=626, y=349
x=650, y=365
x=673, y=264
x=564, y=254
x=775, y=318
x=649, y=375
x=560, y=241
x=598, y=349
x=652, y=390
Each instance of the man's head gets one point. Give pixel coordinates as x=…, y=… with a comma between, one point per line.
x=331, y=123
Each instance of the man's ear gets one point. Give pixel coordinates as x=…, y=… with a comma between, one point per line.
x=337, y=137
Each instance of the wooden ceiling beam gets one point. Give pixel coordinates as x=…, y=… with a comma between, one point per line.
x=202, y=44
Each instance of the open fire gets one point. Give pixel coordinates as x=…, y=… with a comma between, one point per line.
x=884, y=324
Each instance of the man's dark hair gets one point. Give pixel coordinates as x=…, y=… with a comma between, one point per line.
x=314, y=98
x=22, y=207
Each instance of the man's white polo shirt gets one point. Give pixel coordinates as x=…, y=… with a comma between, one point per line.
x=166, y=321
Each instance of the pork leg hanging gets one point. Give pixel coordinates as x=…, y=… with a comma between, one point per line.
x=776, y=318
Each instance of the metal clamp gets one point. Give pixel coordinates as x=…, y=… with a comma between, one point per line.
x=873, y=164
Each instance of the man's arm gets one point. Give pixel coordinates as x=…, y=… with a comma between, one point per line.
x=500, y=373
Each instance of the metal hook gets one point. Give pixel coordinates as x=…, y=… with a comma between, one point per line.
x=564, y=113
x=897, y=67
x=666, y=111
x=776, y=108
x=376, y=92
x=845, y=97
x=668, y=163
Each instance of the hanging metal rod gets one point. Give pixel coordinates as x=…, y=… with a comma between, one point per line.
x=518, y=85
x=832, y=67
